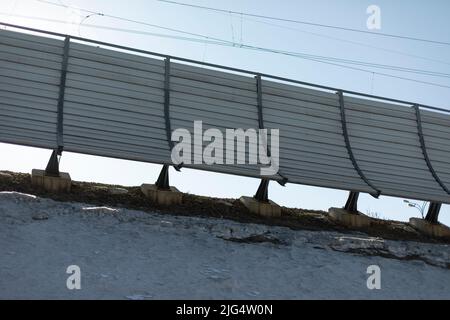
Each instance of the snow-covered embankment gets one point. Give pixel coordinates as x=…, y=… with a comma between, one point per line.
x=135, y=255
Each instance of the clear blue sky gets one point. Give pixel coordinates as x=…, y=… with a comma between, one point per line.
x=422, y=19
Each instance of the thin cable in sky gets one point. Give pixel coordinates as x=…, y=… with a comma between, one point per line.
x=262, y=49
x=306, y=23
x=264, y=22
x=245, y=46
x=349, y=41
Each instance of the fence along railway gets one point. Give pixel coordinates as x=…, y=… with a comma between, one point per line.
x=67, y=93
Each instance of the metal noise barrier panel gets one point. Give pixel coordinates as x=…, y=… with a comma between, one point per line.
x=71, y=94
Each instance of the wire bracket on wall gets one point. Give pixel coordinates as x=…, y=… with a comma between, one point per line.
x=377, y=192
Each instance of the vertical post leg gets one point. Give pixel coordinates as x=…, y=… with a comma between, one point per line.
x=433, y=212
x=163, y=180
x=52, y=169
x=262, y=195
x=352, y=202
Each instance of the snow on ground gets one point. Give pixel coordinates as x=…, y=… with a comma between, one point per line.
x=125, y=254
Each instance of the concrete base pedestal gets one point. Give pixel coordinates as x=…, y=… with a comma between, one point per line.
x=162, y=197
x=430, y=229
x=62, y=183
x=349, y=219
x=268, y=210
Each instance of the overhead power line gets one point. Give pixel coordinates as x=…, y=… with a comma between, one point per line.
x=306, y=23
x=326, y=36
x=216, y=41
x=318, y=59
x=138, y=32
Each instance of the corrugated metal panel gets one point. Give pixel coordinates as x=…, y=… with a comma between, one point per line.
x=368, y=122
x=311, y=136
x=114, y=104
x=436, y=131
x=30, y=72
x=120, y=104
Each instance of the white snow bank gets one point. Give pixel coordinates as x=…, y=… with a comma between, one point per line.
x=134, y=255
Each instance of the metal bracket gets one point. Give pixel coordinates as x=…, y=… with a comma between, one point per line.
x=349, y=147
x=433, y=212
x=262, y=195
x=167, y=102
x=259, y=101
x=178, y=167
x=352, y=202
x=261, y=121
x=163, y=180
x=376, y=195
x=52, y=169
x=62, y=90
x=425, y=152
x=260, y=108
x=283, y=181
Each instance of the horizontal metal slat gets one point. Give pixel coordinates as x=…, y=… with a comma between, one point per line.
x=30, y=69
x=321, y=124
x=296, y=92
x=150, y=71
x=29, y=61
x=110, y=126
x=204, y=92
x=24, y=75
x=152, y=94
x=151, y=80
x=28, y=87
x=56, y=56
x=14, y=102
x=202, y=72
x=194, y=100
x=131, y=60
x=27, y=38
x=380, y=136
x=213, y=109
x=103, y=151
x=214, y=88
x=318, y=181
x=29, y=130
x=153, y=86
x=211, y=117
x=299, y=111
x=28, y=141
x=124, y=142
x=117, y=115
x=23, y=113
x=382, y=109
x=394, y=161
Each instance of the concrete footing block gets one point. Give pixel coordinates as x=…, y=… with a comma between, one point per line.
x=63, y=183
x=437, y=230
x=162, y=197
x=349, y=219
x=266, y=209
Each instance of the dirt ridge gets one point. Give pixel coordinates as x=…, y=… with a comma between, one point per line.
x=200, y=206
